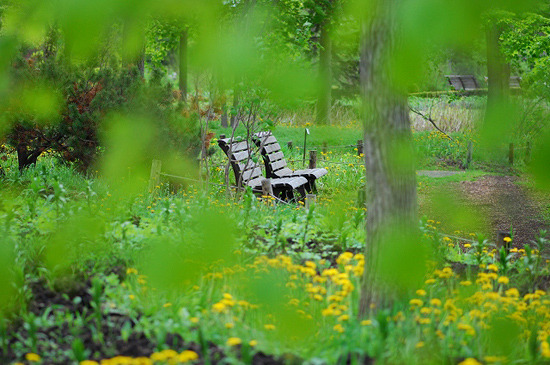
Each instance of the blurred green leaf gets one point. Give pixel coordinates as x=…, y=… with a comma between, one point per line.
x=173, y=264
x=402, y=263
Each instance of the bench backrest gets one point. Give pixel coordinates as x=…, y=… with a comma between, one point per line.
x=515, y=82
x=463, y=82
x=271, y=152
x=244, y=168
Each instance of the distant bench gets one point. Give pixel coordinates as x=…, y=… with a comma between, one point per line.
x=515, y=82
x=463, y=82
x=470, y=83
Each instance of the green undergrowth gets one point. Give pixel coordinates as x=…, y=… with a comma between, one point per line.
x=93, y=272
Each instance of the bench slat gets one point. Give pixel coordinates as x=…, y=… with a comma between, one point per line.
x=240, y=156
x=251, y=174
x=267, y=140
x=281, y=164
x=272, y=148
x=276, y=156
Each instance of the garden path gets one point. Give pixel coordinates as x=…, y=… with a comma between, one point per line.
x=489, y=204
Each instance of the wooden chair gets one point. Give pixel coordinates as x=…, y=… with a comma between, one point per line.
x=249, y=173
x=275, y=163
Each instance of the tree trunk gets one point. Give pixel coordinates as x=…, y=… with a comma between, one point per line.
x=324, y=98
x=391, y=182
x=183, y=65
x=498, y=70
x=235, y=107
x=141, y=62
x=25, y=158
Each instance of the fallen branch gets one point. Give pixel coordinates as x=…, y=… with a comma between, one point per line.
x=429, y=119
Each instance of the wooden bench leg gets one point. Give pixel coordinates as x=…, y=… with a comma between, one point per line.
x=303, y=192
x=312, y=186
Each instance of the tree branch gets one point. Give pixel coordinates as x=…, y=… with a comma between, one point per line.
x=429, y=119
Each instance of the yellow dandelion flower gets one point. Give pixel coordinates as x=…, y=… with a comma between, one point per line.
x=187, y=355
x=233, y=341
x=343, y=317
x=470, y=361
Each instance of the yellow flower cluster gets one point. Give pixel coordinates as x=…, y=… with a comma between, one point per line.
x=471, y=314
x=162, y=357
x=227, y=302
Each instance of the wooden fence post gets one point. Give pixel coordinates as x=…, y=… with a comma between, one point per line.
x=511, y=154
x=470, y=154
x=312, y=159
x=154, y=179
x=310, y=200
x=267, y=189
x=359, y=147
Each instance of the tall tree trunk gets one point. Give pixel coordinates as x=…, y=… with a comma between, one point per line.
x=235, y=106
x=141, y=61
x=324, y=98
x=498, y=70
x=183, y=65
x=391, y=182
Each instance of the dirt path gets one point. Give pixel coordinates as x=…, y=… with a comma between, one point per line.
x=487, y=205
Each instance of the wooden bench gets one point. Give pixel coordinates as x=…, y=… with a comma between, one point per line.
x=275, y=162
x=514, y=83
x=463, y=82
x=249, y=173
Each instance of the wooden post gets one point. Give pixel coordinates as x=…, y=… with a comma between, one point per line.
x=310, y=200
x=154, y=180
x=361, y=198
x=501, y=235
x=306, y=132
x=224, y=123
x=312, y=159
x=359, y=147
x=267, y=189
x=289, y=145
x=511, y=154
x=469, y=155
x=528, y=153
